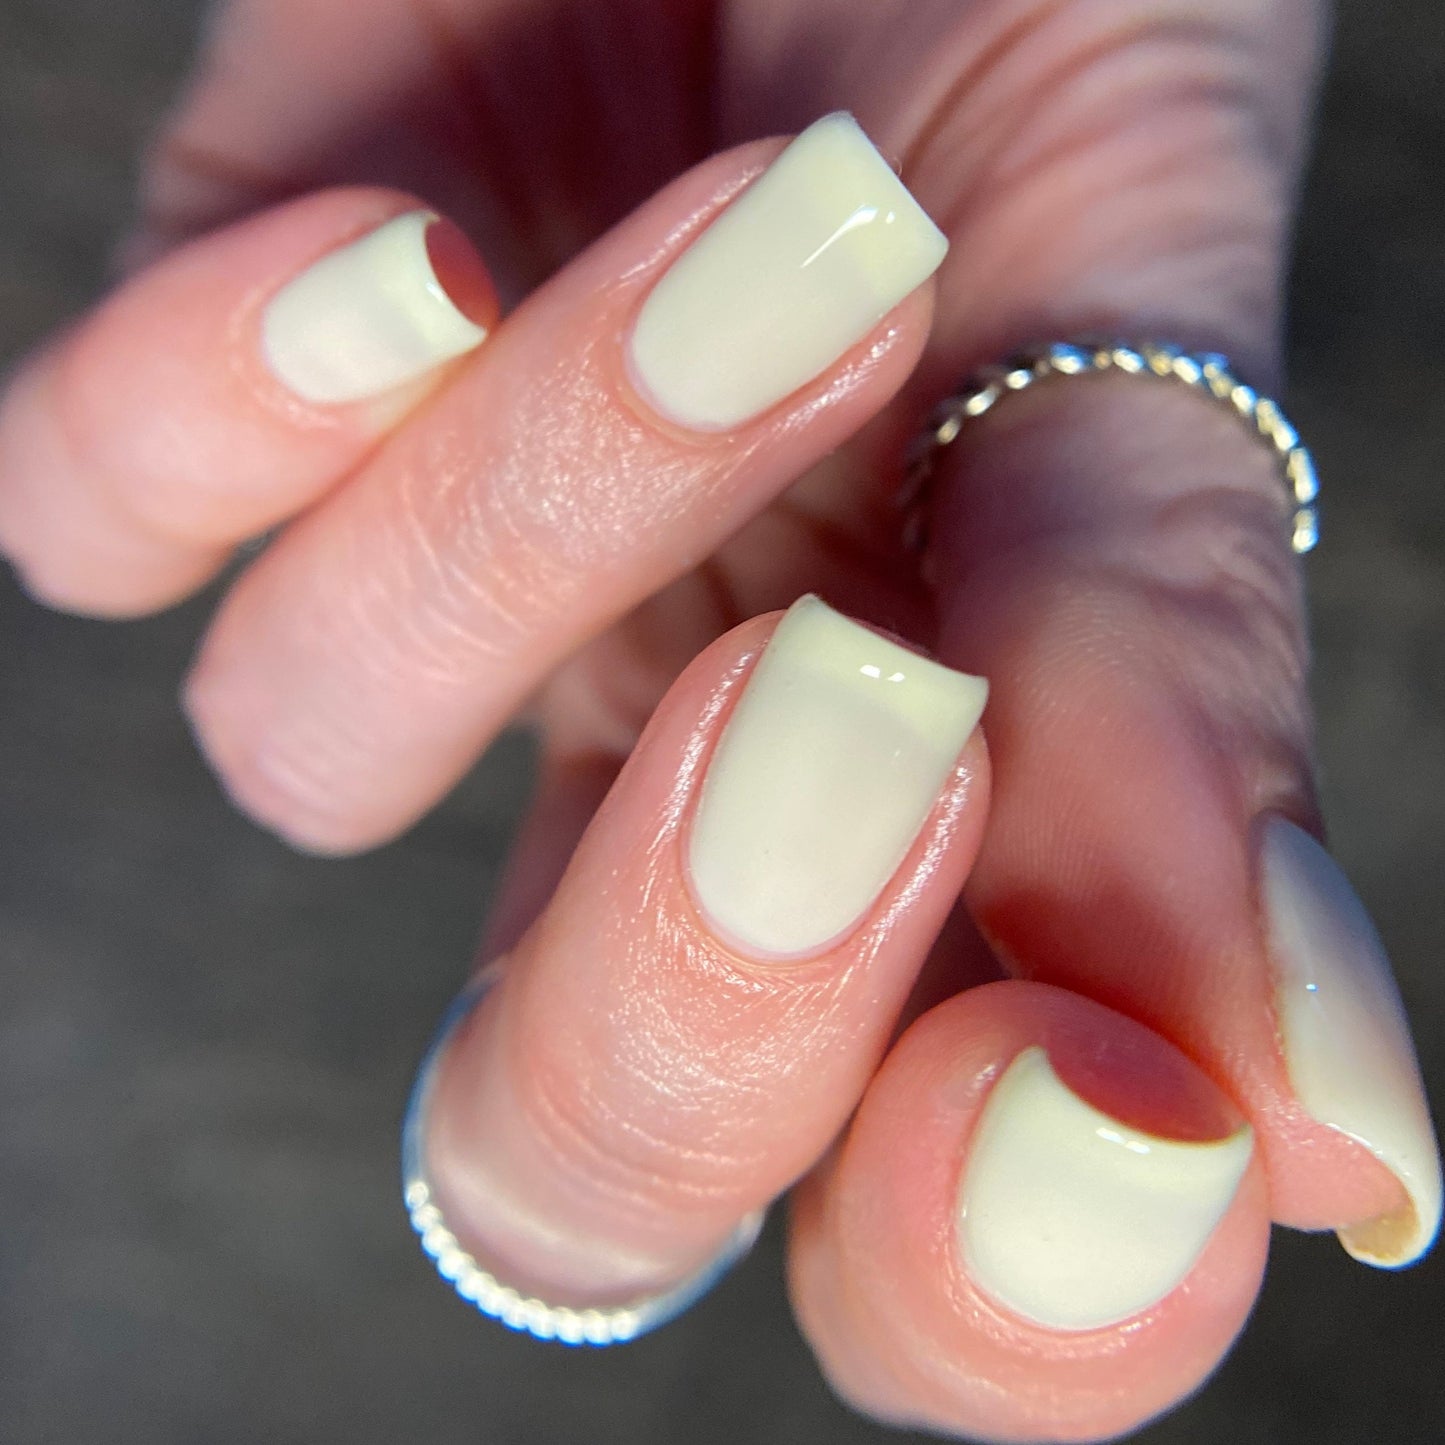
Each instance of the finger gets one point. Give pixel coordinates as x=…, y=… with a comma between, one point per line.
x=1044, y=1223
x=633, y=413
x=286, y=98
x=689, y=1021
x=1148, y=848
x=224, y=390
x=1114, y=554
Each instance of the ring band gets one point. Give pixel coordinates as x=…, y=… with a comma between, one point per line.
x=1207, y=372
x=511, y=1307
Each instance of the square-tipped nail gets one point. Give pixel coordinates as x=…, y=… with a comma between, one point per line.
x=803, y=265
x=379, y=312
x=832, y=760
x=1345, y=1037
x=1077, y=1221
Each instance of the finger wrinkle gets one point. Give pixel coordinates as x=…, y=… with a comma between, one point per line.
x=592, y=1130
x=1113, y=170
x=1015, y=88
x=461, y=617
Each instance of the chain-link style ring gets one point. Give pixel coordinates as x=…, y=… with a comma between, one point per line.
x=512, y=1307
x=1209, y=373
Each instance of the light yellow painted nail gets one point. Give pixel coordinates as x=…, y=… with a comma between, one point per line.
x=832, y=759
x=1076, y=1221
x=800, y=267
x=1345, y=1038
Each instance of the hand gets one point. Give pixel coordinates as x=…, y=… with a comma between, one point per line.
x=519, y=521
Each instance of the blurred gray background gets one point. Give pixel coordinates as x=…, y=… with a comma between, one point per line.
x=205, y=1040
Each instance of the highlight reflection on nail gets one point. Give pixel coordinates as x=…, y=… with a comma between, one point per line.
x=1077, y=1221
x=1345, y=1037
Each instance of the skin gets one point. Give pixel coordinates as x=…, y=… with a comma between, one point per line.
x=509, y=533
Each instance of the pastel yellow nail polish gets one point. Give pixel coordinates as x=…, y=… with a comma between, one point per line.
x=366, y=318
x=834, y=756
x=801, y=266
x=1344, y=1035
x=1076, y=1221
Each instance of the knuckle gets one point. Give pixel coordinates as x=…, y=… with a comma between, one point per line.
x=1170, y=139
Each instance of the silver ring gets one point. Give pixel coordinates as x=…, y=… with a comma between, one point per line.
x=1207, y=372
x=501, y=1302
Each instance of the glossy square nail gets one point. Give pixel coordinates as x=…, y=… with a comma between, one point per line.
x=800, y=267
x=833, y=758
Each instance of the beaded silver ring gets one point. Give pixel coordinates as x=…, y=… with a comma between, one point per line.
x=1207, y=372
x=500, y=1301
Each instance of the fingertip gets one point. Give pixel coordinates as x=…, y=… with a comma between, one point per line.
x=1045, y=1222
x=75, y=593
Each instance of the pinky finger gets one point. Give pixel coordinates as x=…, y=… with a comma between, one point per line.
x=1044, y=1223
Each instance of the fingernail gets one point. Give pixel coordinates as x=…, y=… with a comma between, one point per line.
x=1345, y=1038
x=379, y=312
x=1076, y=1221
x=831, y=761
x=804, y=264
